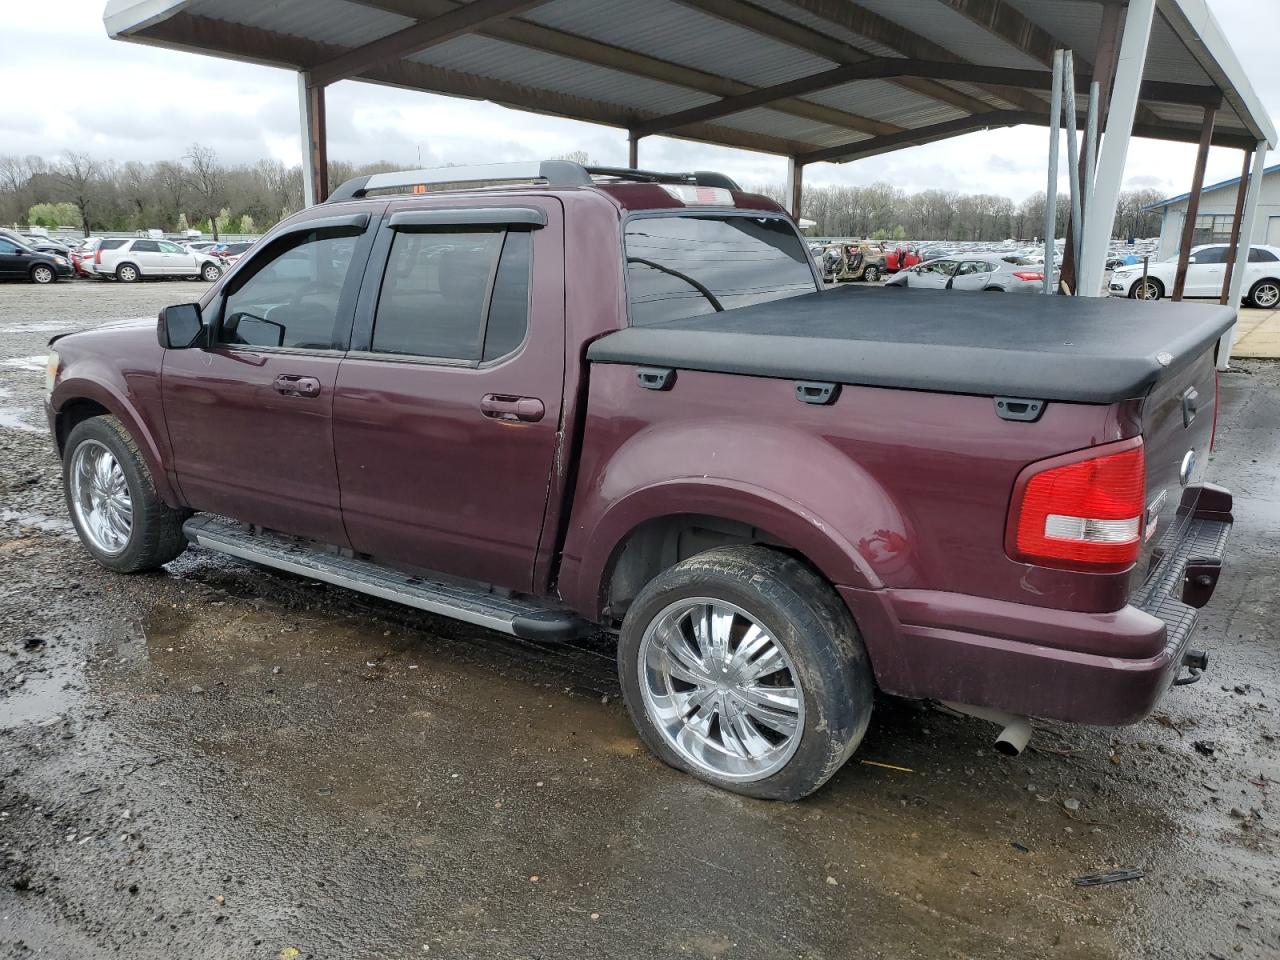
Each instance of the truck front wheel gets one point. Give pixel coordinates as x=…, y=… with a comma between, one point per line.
x=113, y=502
x=741, y=666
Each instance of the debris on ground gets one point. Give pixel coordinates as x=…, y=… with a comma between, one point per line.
x=1108, y=876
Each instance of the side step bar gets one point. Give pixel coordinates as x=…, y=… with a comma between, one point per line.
x=521, y=618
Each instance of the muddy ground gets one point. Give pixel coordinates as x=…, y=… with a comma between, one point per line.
x=217, y=761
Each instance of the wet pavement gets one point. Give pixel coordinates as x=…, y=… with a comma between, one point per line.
x=220, y=761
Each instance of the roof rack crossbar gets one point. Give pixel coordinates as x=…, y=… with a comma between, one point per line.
x=555, y=173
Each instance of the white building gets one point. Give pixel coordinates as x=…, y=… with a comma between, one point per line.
x=1217, y=212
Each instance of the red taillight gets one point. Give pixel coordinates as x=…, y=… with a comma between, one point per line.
x=1085, y=512
x=1028, y=275
x=97, y=255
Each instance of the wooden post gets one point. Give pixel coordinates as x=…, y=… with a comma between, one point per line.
x=795, y=187
x=1234, y=246
x=315, y=141
x=1193, y=202
x=633, y=152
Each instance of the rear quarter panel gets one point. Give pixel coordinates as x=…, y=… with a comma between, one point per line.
x=882, y=488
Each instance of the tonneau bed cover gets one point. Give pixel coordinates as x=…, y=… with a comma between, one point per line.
x=1080, y=349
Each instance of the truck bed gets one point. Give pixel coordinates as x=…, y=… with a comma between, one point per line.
x=1078, y=349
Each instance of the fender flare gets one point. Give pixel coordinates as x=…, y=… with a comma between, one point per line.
x=784, y=519
x=81, y=388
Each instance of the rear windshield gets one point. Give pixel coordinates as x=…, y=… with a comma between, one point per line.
x=688, y=265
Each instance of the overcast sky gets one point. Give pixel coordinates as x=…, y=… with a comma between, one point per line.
x=68, y=86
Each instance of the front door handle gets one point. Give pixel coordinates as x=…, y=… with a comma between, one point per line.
x=292, y=386
x=501, y=406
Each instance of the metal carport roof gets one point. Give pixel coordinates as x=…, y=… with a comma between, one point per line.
x=811, y=79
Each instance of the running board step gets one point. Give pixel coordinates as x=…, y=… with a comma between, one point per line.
x=521, y=618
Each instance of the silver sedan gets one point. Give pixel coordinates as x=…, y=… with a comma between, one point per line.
x=990, y=273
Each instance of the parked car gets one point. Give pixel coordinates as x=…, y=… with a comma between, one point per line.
x=862, y=260
x=20, y=262
x=1205, y=273
x=774, y=509
x=200, y=246
x=128, y=260
x=989, y=273
x=229, y=253
x=900, y=258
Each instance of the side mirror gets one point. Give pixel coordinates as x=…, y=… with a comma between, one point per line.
x=1191, y=259
x=181, y=327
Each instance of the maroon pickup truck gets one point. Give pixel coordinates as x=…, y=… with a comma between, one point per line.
x=546, y=399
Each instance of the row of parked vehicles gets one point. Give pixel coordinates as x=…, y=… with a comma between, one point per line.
x=43, y=259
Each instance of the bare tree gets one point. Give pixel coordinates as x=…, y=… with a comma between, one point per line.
x=207, y=183
x=80, y=176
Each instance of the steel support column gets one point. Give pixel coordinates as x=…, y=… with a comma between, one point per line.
x=1241, y=191
x=1242, y=251
x=1193, y=203
x=795, y=187
x=633, y=152
x=1099, y=218
x=315, y=145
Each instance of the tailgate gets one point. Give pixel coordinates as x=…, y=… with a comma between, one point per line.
x=1177, y=428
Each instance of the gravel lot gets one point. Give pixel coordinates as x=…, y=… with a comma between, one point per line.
x=218, y=761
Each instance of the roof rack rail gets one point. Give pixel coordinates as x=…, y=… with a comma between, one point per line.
x=556, y=173
x=700, y=178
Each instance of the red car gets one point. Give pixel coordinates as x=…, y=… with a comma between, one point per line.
x=629, y=405
x=900, y=258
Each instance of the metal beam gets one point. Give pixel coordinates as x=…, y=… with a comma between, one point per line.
x=1241, y=192
x=882, y=30
x=534, y=36
x=921, y=135
x=779, y=28
x=795, y=188
x=256, y=45
x=1100, y=218
x=889, y=67
x=1193, y=203
x=1242, y=255
x=423, y=34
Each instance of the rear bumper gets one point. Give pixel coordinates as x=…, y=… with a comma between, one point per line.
x=1107, y=669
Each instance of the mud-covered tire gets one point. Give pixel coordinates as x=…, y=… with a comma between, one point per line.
x=828, y=661
x=156, y=535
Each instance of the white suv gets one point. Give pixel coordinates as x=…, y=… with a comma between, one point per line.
x=130, y=260
x=1205, y=273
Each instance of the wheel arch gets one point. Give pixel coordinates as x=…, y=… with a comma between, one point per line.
x=639, y=536
x=76, y=400
x=1261, y=280
x=115, y=272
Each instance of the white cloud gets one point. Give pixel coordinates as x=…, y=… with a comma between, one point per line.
x=131, y=102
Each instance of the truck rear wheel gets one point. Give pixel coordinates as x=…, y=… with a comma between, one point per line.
x=743, y=667
x=113, y=503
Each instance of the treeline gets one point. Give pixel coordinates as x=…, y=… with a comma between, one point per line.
x=197, y=191
x=887, y=212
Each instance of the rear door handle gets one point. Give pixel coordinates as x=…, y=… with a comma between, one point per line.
x=501, y=406
x=292, y=386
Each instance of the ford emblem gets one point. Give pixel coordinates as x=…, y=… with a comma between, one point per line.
x=1188, y=467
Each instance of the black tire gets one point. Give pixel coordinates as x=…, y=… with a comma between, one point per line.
x=156, y=536
x=43, y=273
x=813, y=626
x=210, y=272
x=1156, y=290
x=128, y=273
x=993, y=290
x=1265, y=294
x=871, y=275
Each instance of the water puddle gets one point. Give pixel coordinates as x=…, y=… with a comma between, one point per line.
x=16, y=418
x=26, y=363
x=37, y=521
x=41, y=698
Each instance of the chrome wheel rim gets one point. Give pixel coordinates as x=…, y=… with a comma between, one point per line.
x=212, y=273
x=1267, y=295
x=100, y=497
x=43, y=274
x=721, y=689
x=127, y=273
x=1148, y=291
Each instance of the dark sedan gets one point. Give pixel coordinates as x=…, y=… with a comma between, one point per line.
x=19, y=262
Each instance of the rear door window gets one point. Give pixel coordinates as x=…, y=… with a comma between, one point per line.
x=683, y=266
x=454, y=295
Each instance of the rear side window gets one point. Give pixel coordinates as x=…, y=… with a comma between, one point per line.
x=1261, y=256
x=146, y=246
x=684, y=266
x=454, y=294
x=112, y=244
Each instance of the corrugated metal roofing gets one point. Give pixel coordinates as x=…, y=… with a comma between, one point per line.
x=727, y=57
